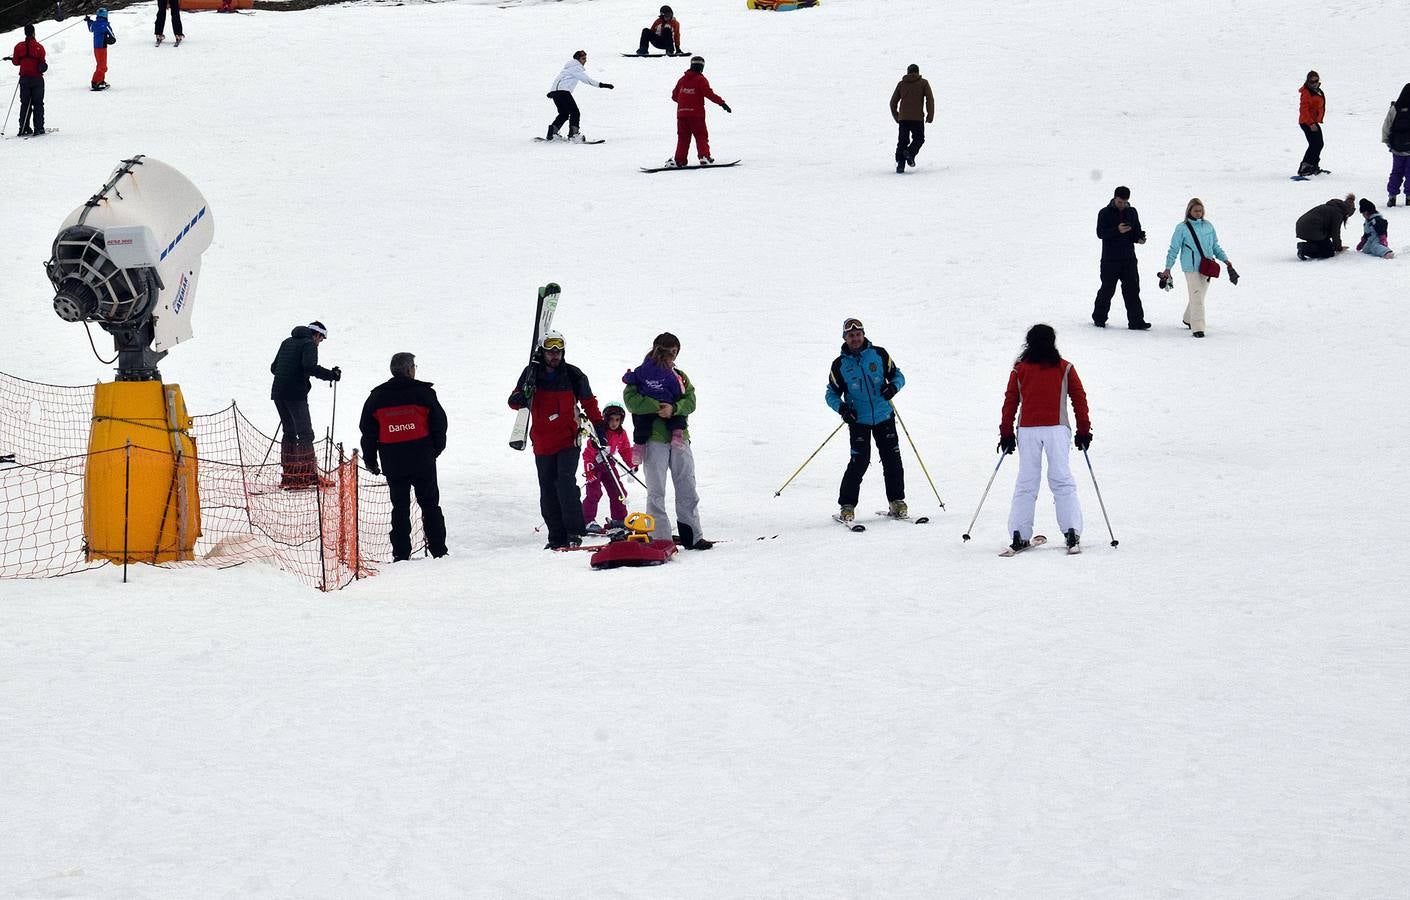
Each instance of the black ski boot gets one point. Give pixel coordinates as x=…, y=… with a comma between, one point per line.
x=1018, y=543
x=1073, y=539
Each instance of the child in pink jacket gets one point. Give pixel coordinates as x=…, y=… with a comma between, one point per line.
x=619, y=442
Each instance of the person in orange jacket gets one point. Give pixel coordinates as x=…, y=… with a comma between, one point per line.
x=1311, y=110
x=664, y=34
x=690, y=94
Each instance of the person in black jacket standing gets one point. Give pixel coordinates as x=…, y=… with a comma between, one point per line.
x=295, y=362
x=403, y=425
x=1119, y=227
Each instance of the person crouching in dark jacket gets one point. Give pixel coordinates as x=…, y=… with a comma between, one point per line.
x=1319, y=229
x=294, y=364
x=404, y=426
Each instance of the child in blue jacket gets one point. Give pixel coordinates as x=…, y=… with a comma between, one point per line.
x=102, y=37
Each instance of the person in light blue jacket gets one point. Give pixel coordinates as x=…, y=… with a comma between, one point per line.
x=860, y=386
x=1194, y=239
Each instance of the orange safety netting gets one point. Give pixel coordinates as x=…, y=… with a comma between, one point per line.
x=326, y=537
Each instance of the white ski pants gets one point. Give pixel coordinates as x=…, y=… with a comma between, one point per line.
x=658, y=459
x=1033, y=443
x=1197, y=286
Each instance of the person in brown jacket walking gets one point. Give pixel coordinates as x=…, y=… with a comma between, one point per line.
x=911, y=102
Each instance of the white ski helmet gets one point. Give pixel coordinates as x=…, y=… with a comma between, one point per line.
x=552, y=340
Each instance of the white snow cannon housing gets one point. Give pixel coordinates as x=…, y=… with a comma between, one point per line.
x=129, y=260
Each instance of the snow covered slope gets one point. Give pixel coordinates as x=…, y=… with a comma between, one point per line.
x=1215, y=709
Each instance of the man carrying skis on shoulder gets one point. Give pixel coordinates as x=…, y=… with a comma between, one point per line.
x=863, y=380
x=690, y=94
x=561, y=94
x=552, y=389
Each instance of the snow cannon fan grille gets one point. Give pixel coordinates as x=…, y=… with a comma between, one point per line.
x=90, y=287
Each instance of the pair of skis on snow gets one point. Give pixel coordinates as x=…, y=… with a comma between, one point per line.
x=1038, y=540
x=856, y=526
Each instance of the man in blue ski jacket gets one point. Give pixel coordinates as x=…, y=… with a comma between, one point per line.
x=864, y=378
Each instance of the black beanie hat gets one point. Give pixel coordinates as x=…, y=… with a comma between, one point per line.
x=1366, y=206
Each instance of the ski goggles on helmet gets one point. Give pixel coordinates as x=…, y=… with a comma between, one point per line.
x=852, y=325
x=553, y=343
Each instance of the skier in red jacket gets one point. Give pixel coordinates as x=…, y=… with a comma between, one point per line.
x=29, y=56
x=690, y=94
x=1041, y=383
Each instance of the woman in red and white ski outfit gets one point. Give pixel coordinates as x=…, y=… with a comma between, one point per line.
x=1040, y=387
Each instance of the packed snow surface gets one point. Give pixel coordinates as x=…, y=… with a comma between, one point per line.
x=1215, y=709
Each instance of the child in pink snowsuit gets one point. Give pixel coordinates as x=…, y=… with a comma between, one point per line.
x=619, y=442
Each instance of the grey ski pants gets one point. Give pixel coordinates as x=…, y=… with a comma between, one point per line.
x=658, y=459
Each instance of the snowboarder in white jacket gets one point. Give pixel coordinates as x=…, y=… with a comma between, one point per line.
x=561, y=93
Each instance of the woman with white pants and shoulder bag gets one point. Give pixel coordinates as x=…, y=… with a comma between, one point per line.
x=1196, y=245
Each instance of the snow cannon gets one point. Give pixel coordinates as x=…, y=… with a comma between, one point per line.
x=129, y=259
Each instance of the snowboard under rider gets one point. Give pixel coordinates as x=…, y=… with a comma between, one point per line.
x=690, y=94
x=1041, y=384
x=861, y=382
x=561, y=93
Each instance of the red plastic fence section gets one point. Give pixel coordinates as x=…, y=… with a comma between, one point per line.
x=326, y=536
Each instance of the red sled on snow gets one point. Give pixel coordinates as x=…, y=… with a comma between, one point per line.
x=633, y=553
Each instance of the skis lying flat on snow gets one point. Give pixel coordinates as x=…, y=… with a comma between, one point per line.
x=850, y=526
x=26, y=137
x=562, y=141
x=886, y=514
x=1037, y=541
x=689, y=168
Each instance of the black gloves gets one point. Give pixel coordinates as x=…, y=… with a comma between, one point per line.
x=518, y=400
x=1007, y=443
x=848, y=413
x=335, y=374
x=601, y=431
x=725, y=107
x=1083, y=440
x=607, y=86
x=373, y=467
x=7, y=59
x=888, y=390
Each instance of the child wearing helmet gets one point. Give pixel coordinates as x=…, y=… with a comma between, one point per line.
x=616, y=440
x=102, y=37
x=664, y=33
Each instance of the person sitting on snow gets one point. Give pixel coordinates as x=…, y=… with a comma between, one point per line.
x=664, y=34
x=1374, y=237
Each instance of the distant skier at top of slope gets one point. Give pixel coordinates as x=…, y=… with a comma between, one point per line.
x=664, y=34
x=1041, y=384
x=861, y=382
x=561, y=94
x=690, y=94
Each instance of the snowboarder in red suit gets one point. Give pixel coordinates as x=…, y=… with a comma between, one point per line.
x=690, y=94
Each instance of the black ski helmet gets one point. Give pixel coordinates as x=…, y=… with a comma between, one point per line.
x=666, y=12
x=697, y=63
x=611, y=408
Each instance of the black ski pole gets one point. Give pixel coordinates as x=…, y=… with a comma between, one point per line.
x=809, y=459
x=986, y=495
x=1100, y=501
x=272, y=441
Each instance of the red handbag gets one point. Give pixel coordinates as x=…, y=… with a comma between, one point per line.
x=1207, y=267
